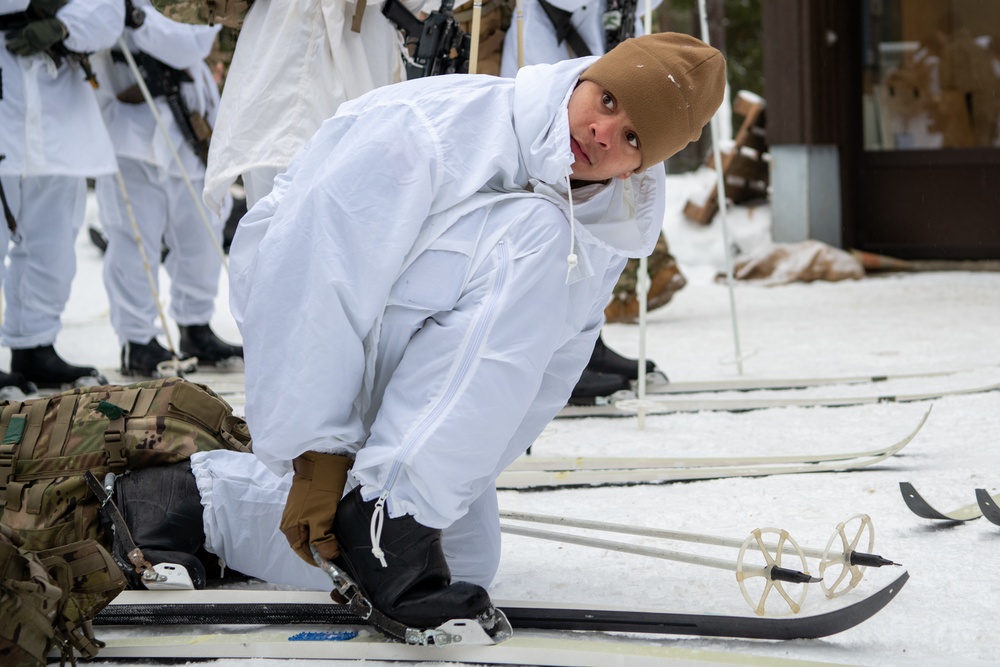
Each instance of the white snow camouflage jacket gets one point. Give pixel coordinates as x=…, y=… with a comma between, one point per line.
x=50, y=124
x=381, y=224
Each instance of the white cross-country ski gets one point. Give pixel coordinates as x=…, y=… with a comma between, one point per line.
x=534, y=462
x=629, y=407
x=514, y=478
x=533, y=648
x=305, y=625
x=757, y=384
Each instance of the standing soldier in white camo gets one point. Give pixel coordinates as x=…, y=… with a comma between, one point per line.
x=171, y=57
x=53, y=138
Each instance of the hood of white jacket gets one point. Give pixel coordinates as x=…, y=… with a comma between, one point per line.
x=625, y=215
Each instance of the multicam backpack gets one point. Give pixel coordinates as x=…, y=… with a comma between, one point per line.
x=52, y=517
x=47, y=444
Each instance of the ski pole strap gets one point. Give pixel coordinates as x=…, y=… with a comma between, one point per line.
x=7, y=214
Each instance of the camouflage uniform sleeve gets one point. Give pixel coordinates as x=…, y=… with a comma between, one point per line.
x=229, y=13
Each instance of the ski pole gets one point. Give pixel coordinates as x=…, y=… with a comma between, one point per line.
x=772, y=572
x=145, y=265
x=723, y=215
x=148, y=97
x=477, y=15
x=860, y=558
x=519, y=22
x=849, y=556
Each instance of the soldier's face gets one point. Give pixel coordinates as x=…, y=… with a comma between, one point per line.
x=604, y=141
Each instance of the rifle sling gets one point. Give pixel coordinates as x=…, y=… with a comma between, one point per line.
x=359, y=14
x=7, y=213
x=565, y=30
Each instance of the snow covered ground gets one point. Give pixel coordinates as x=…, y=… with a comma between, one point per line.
x=900, y=323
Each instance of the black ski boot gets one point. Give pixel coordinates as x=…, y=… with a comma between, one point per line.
x=593, y=386
x=198, y=340
x=46, y=369
x=606, y=360
x=145, y=359
x=13, y=386
x=414, y=586
x=162, y=508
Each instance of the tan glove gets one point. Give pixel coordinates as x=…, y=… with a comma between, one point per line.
x=317, y=487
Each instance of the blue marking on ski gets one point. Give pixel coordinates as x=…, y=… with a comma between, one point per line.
x=334, y=636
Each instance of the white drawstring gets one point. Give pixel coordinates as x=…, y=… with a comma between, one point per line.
x=571, y=259
x=375, y=531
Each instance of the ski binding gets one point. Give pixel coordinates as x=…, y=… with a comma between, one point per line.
x=469, y=632
x=167, y=577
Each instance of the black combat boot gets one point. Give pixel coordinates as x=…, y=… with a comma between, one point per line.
x=593, y=385
x=46, y=369
x=606, y=360
x=414, y=586
x=162, y=508
x=144, y=359
x=14, y=386
x=198, y=340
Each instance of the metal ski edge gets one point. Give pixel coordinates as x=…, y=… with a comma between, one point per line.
x=303, y=608
x=533, y=479
x=925, y=510
x=654, y=406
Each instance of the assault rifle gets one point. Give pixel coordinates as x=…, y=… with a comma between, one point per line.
x=164, y=81
x=435, y=45
x=619, y=22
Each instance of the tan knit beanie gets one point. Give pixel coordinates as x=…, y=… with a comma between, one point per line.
x=670, y=86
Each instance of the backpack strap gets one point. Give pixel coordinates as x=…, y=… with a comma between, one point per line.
x=62, y=423
x=20, y=436
x=13, y=434
x=116, y=409
x=11, y=438
x=236, y=434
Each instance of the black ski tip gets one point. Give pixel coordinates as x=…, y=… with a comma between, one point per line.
x=988, y=506
x=924, y=510
x=708, y=625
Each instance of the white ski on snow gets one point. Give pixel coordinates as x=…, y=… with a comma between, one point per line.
x=525, y=648
x=757, y=384
x=630, y=407
x=572, y=475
